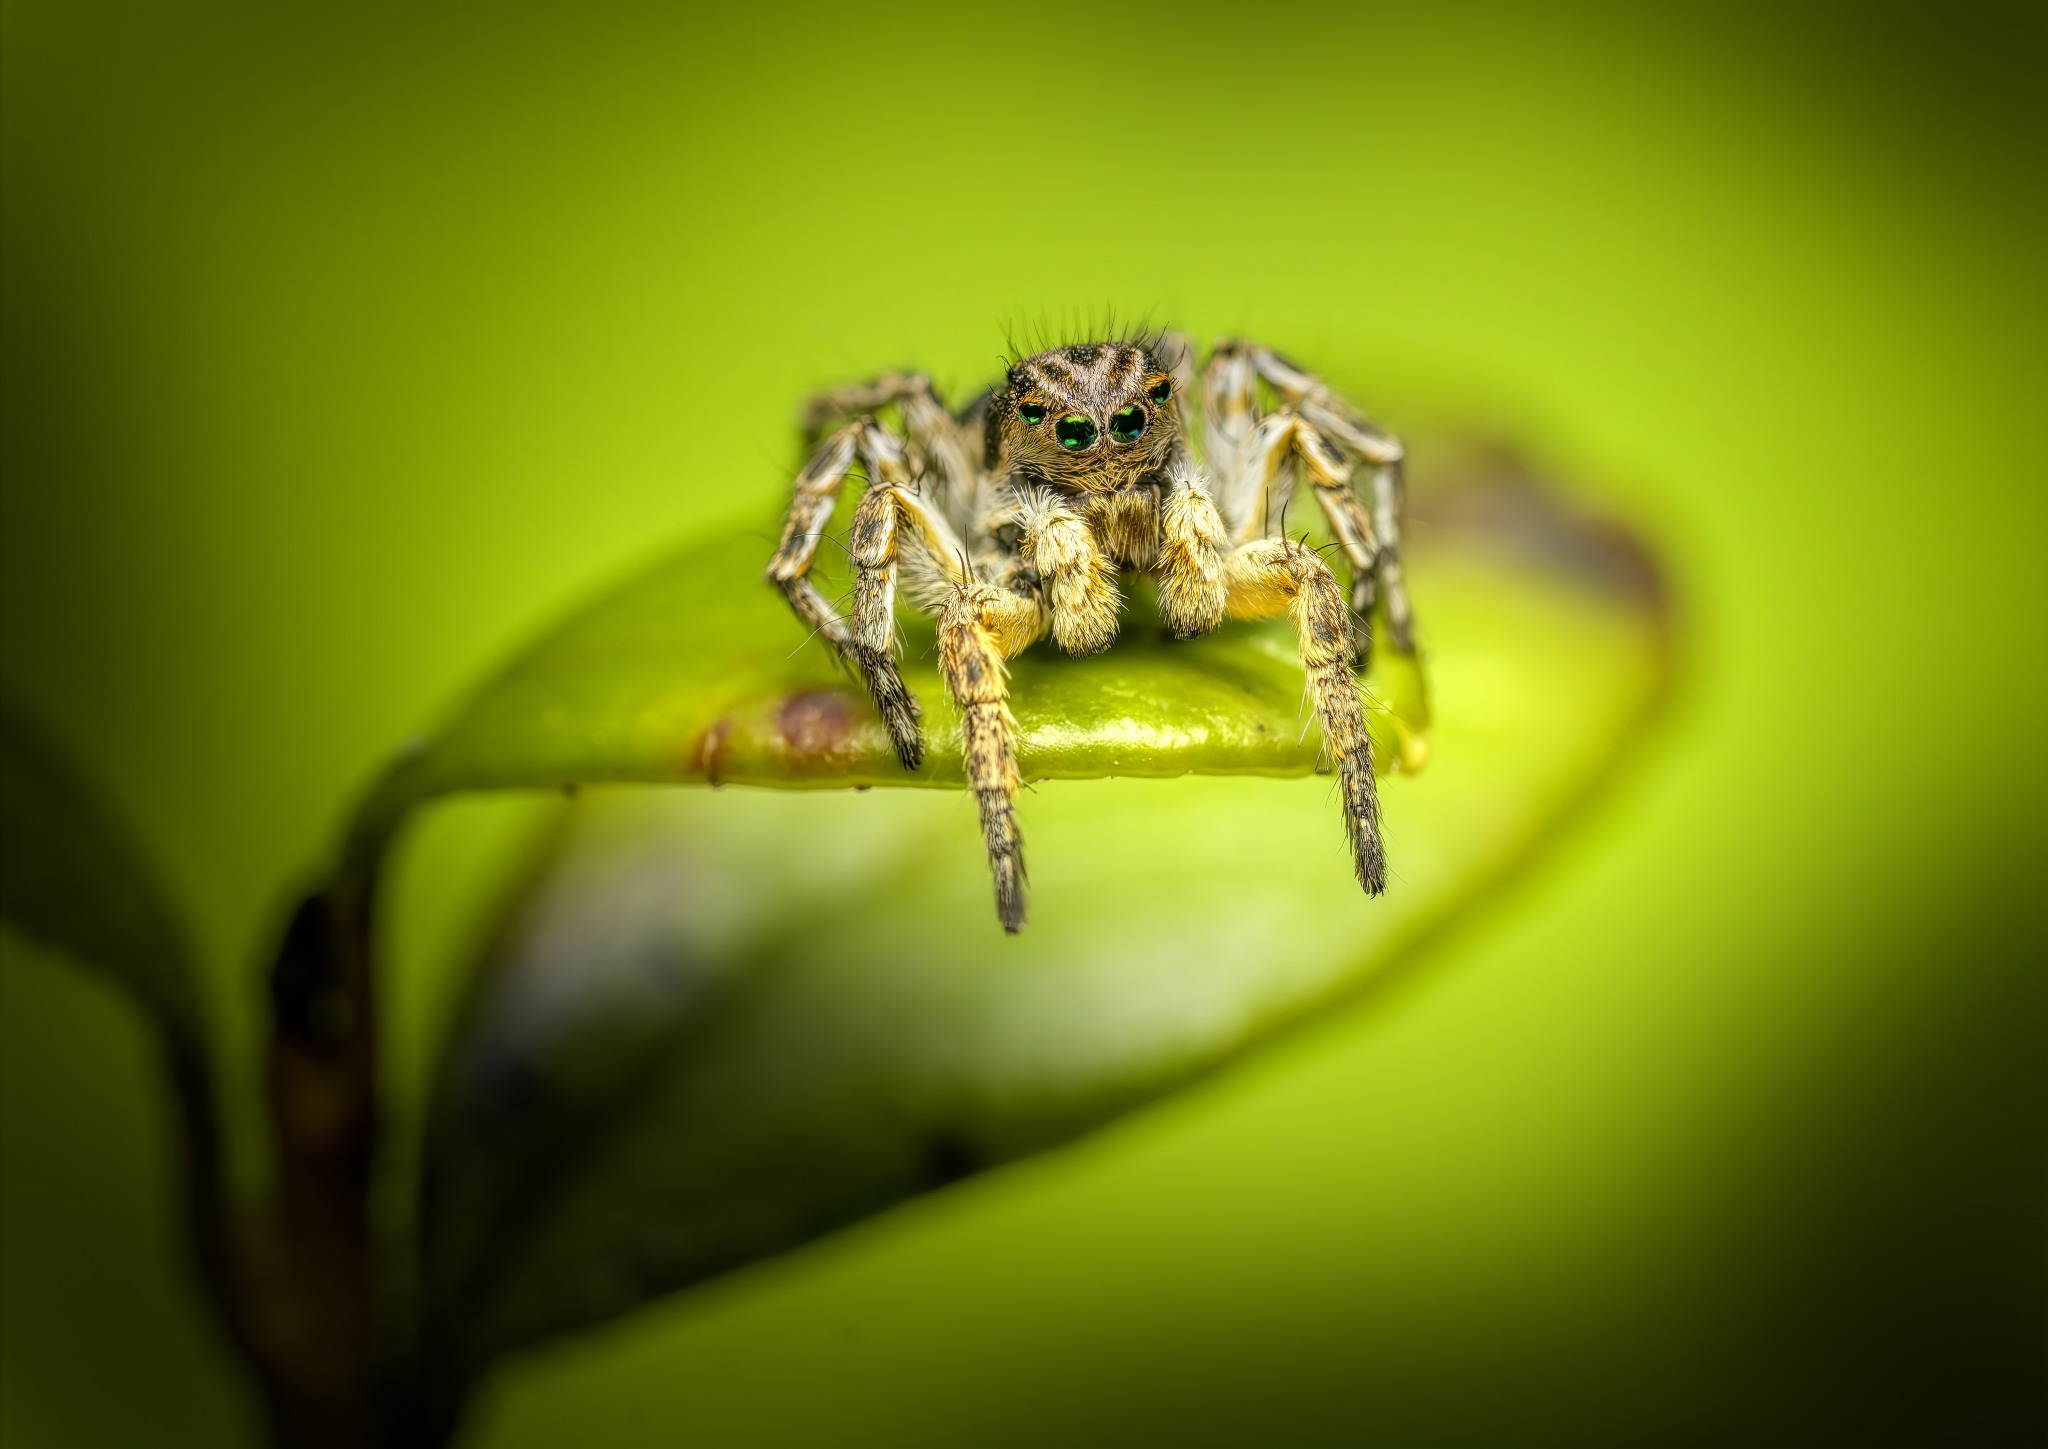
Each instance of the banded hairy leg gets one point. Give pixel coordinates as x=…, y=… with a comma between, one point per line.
x=1267, y=575
x=868, y=647
x=1230, y=410
x=890, y=512
x=1192, y=545
x=1279, y=442
x=815, y=493
x=1076, y=576
x=980, y=626
x=1311, y=397
x=943, y=449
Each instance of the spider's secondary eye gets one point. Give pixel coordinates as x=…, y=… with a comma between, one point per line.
x=1127, y=425
x=1032, y=413
x=1160, y=391
x=1074, y=432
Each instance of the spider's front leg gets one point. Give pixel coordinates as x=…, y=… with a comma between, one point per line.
x=1192, y=542
x=1271, y=574
x=981, y=626
x=1080, y=581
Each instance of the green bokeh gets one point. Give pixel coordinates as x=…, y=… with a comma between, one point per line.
x=341, y=351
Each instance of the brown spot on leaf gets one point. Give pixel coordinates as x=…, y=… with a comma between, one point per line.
x=815, y=723
x=710, y=752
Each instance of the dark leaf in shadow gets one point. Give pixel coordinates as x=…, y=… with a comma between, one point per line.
x=70, y=878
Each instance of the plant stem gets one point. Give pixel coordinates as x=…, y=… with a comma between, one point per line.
x=307, y=1289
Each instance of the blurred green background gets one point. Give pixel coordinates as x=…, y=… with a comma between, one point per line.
x=345, y=348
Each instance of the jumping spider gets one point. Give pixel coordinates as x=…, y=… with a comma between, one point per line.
x=1017, y=514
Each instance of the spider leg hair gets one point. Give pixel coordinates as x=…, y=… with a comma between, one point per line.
x=858, y=399
x=1389, y=510
x=1189, y=568
x=889, y=513
x=1176, y=353
x=1336, y=418
x=945, y=446
x=1315, y=400
x=981, y=626
x=1080, y=581
x=816, y=491
x=1330, y=471
x=868, y=647
x=1269, y=455
x=1272, y=574
x=1230, y=410
x=871, y=647
x=951, y=452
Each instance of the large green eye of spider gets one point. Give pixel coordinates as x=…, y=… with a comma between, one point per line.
x=1161, y=391
x=1032, y=413
x=1074, y=432
x=1127, y=425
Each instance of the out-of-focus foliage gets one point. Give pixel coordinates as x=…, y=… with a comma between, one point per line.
x=70, y=878
x=345, y=347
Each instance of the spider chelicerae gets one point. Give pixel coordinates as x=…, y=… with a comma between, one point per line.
x=1016, y=516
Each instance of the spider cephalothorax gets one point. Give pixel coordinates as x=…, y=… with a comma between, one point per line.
x=1098, y=417
x=1017, y=517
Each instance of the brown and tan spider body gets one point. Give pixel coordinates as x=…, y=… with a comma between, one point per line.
x=1019, y=515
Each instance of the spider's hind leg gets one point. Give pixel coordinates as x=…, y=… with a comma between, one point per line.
x=817, y=490
x=980, y=627
x=1378, y=577
x=943, y=449
x=891, y=515
x=871, y=645
x=868, y=646
x=1330, y=472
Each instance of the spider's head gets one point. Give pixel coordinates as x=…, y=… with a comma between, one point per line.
x=1098, y=416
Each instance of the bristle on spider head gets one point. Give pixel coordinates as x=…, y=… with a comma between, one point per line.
x=1031, y=336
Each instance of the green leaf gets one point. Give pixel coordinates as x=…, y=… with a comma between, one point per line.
x=70, y=878
x=719, y=1023
x=698, y=673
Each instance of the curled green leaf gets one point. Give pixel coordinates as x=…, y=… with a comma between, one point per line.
x=716, y=1024
x=696, y=673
